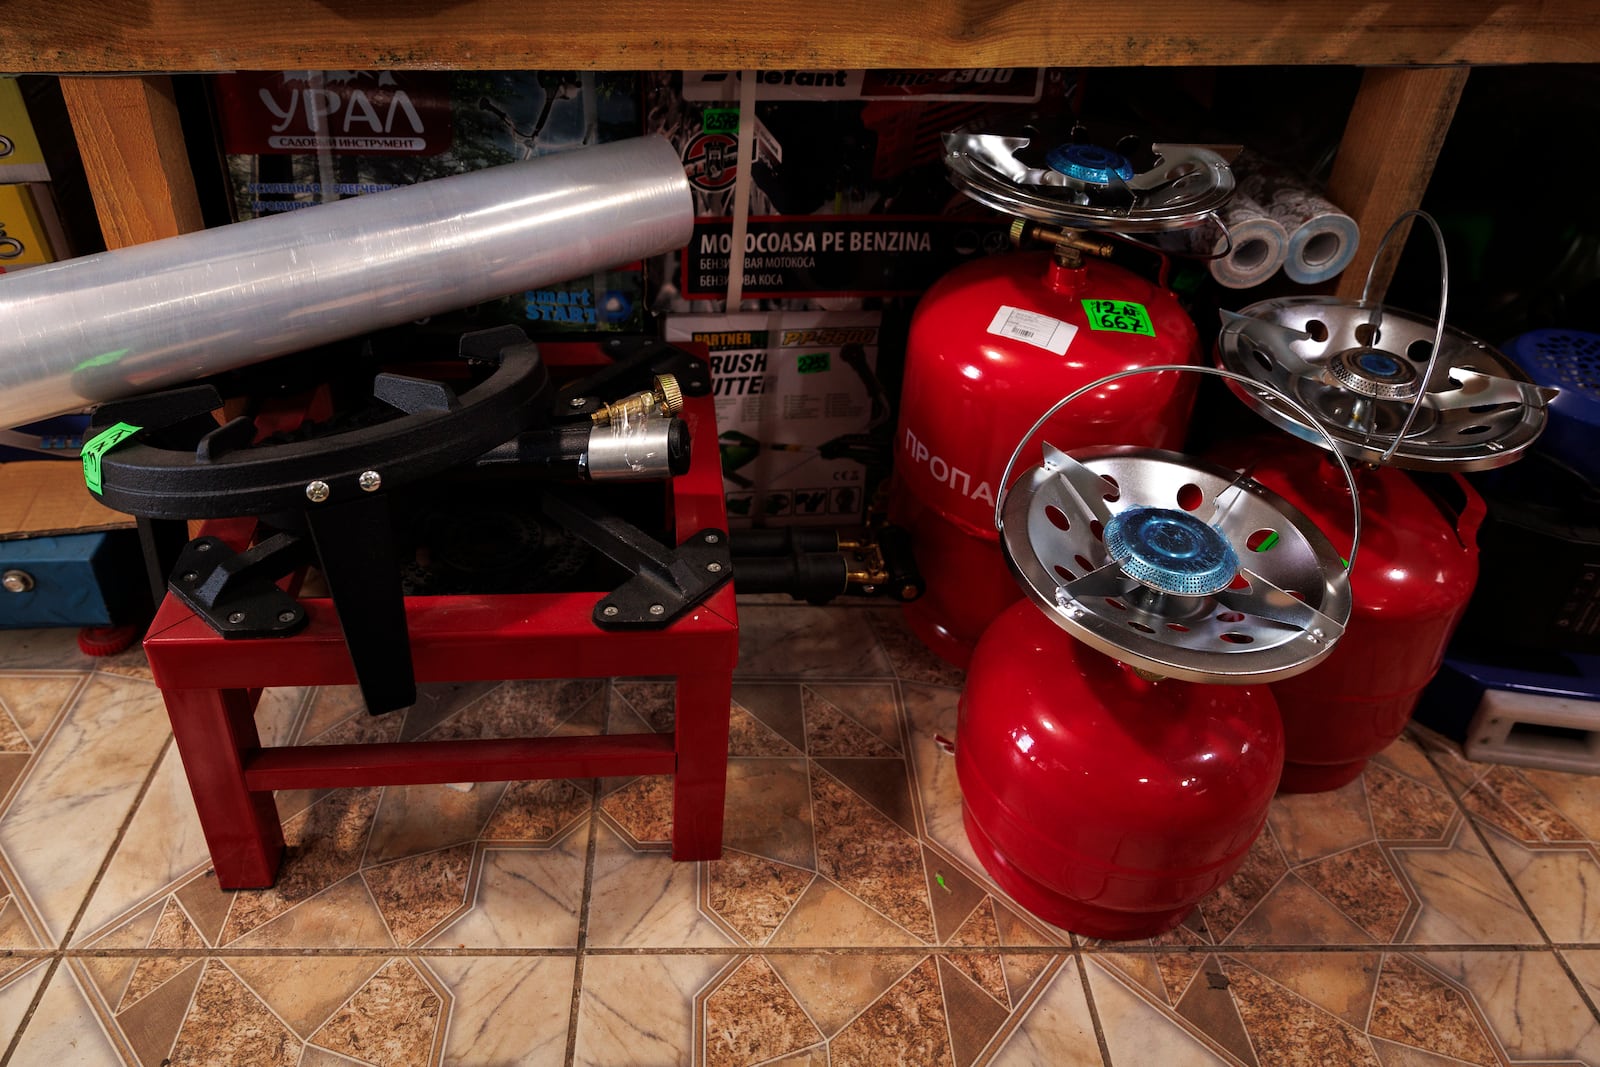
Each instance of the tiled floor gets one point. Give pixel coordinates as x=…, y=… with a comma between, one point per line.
x=1433, y=913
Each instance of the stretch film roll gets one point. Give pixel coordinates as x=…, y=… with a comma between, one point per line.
x=1322, y=238
x=119, y=323
x=1259, y=244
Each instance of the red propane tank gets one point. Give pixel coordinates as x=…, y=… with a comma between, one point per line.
x=1412, y=579
x=1102, y=801
x=992, y=344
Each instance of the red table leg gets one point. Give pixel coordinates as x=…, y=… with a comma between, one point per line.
x=214, y=728
x=700, y=784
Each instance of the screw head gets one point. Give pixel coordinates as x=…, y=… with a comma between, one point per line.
x=369, y=481
x=577, y=402
x=909, y=591
x=286, y=616
x=714, y=568
x=317, y=492
x=237, y=616
x=609, y=610
x=203, y=546
x=16, y=581
x=191, y=576
x=712, y=538
x=657, y=609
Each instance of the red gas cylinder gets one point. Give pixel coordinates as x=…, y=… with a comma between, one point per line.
x=991, y=345
x=1108, y=780
x=1103, y=801
x=1391, y=391
x=1416, y=572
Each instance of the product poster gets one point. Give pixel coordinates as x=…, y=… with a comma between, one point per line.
x=794, y=391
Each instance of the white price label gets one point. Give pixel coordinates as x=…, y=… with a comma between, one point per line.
x=1030, y=327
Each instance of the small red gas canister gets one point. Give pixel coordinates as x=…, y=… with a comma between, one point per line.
x=1387, y=390
x=1419, y=565
x=1117, y=744
x=994, y=341
x=1105, y=800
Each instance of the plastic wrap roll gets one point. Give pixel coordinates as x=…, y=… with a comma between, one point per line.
x=102, y=327
x=1322, y=238
x=1259, y=244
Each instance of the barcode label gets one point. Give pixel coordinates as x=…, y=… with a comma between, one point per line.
x=1035, y=329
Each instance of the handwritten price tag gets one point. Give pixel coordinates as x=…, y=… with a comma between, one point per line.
x=1119, y=316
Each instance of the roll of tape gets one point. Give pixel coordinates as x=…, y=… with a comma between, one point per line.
x=1255, y=242
x=1322, y=238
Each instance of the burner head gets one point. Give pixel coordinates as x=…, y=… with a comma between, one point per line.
x=1089, y=163
x=1170, y=551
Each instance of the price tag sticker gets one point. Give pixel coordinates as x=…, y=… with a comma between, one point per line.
x=97, y=446
x=1118, y=316
x=813, y=363
x=1032, y=328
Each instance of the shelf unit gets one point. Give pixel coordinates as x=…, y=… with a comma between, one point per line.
x=1416, y=55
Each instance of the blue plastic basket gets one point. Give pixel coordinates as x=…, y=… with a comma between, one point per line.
x=1569, y=360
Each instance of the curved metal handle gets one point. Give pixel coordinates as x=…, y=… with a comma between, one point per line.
x=1218, y=372
x=1428, y=384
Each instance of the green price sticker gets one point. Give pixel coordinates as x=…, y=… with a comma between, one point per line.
x=812, y=363
x=97, y=446
x=720, y=120
x=1120, y=316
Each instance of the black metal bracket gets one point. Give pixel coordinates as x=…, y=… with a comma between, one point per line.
x=236, y=593
x=667, y=581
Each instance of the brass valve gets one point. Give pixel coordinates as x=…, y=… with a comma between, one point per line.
x=663, y=398
x=1069, y=245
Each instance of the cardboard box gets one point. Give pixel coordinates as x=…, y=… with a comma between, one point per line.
x=846, y=192
x=791, y=388
x=21, y=158
x=24, y=240
x=294, y=139
x=45, y=498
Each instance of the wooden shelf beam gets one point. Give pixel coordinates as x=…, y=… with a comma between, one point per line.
x=69, y=36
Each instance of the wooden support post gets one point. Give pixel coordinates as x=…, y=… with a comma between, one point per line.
x=133, y=152
x=1391, y=141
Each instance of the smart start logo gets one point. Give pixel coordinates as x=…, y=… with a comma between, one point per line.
x=710, y=161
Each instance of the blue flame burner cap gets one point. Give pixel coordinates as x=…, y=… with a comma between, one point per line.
x=1170, y=551
x=1089, y=163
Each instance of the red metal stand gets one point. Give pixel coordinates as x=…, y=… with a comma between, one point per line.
x=211, y=687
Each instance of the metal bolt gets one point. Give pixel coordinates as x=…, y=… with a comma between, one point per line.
x=657, y=609
x=17, y=581
x=317, y=492
x=191, y=576
x=712, y=539
x=286, y=616
x=714, y=568
x=237, y=616
x=202, y=546
x=369, y=481
x=610, y=610
x=577, y=402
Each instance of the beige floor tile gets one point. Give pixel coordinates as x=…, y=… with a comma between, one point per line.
x=617, y=1025
x=506, y=1010
x=65, y=1029
x=80, y=788
x=1057, y=1028
x=808, y=642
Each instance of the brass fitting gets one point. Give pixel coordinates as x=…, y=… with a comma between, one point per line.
x=663, y=398
x=1069, y=245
